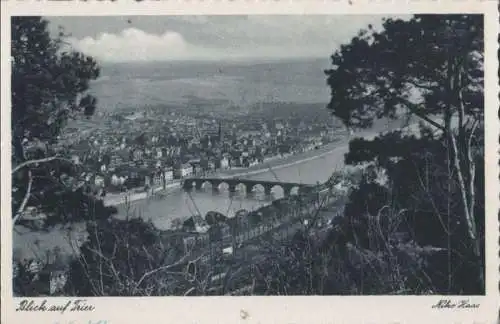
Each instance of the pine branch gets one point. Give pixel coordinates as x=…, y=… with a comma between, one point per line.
x=414, y=110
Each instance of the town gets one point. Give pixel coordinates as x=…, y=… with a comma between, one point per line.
x=158, y=146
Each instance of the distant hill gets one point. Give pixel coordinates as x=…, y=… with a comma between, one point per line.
x=134, y=85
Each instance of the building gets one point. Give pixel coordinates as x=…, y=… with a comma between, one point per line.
x=168, y=174
x=185, y=170
x=224, y=163
x=138, y=154
x=211, y=165
x=147, y=181
x=99, y=181
x=115, y=180
x=157, y=178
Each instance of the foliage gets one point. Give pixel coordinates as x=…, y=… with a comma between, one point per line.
x=408, y=66
x=213, y=217
x=422, y=184
x=132, y=257
x=321, y=262
x=35, y=277
x=49, y=87
x=430, y=67
x=118, y=254
x=49, y=84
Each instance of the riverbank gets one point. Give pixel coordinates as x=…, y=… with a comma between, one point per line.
x=118, y=199
x=29, y=241
x=273, y=163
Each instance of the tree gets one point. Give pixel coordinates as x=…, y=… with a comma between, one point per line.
x=431, y=67
x=420, y=186
x=49, y=87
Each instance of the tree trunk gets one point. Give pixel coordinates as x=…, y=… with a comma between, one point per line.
x=463, y=163
x=468, y=196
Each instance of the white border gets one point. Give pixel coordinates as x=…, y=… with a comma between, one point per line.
x=311, y=309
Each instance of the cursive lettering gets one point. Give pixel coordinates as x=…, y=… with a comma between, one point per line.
x=467, y=304
x=77, y=305
x=80, y=305
x=449, y=304
x=444, y=303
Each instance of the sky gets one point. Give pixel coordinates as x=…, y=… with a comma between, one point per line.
x=206, y=38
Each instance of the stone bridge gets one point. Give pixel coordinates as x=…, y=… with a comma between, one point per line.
x=232, y=183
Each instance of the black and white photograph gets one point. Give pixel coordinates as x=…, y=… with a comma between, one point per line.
x=248, y=155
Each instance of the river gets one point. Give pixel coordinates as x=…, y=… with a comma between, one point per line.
x=308, y=168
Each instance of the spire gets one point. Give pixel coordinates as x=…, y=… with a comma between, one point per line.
x=220, y=132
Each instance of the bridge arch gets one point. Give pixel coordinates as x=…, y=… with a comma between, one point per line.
x=204, y=184
x=240, y=185
x=295, y=190
x=257, y=187
x=214, y=184
x=220, y=185
x=189, y=184
x=278, y=189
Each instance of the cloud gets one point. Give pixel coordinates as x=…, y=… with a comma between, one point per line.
x=214, y=37
x=133, y=45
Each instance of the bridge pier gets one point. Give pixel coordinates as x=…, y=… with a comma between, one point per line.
x=287, y=190
x=215, y=185
x=304, y=190
x=232, y=188
x=267, y=190
x=187, y=185
x=198, y=185
x=248, y=189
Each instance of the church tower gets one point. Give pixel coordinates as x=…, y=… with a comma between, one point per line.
x=219, y=134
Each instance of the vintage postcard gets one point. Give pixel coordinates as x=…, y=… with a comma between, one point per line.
x=250, y=162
